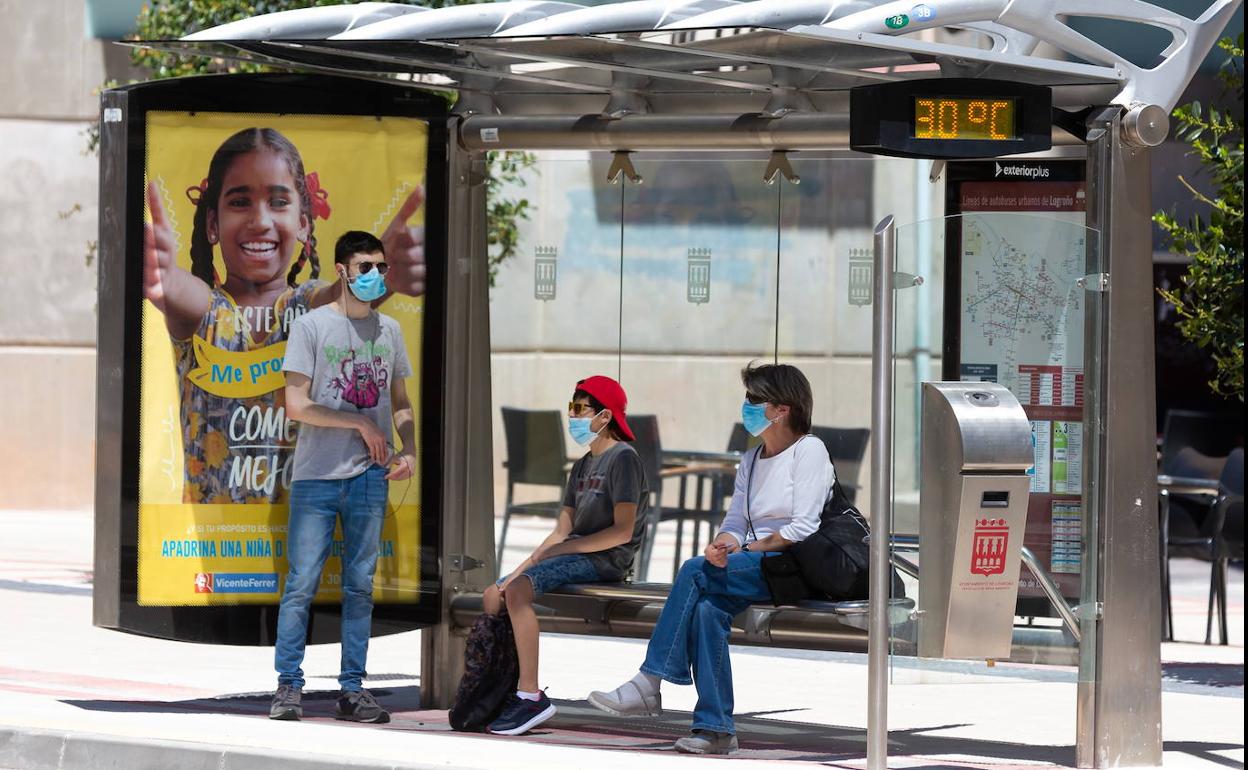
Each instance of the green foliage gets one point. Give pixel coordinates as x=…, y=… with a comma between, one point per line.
x=505, y=169
x=174, y=19
x=1211, y=300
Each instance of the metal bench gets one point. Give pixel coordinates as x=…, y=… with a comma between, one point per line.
x=632, y=609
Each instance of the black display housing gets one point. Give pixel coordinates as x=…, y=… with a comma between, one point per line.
x=881, y=118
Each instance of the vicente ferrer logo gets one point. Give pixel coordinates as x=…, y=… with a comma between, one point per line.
x=988, y=547
x=235, y=583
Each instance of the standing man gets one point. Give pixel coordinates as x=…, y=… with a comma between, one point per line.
x=345, y=368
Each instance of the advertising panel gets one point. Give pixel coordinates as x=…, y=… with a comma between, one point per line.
x=229, y=195
x=250, y=206
x=1016, y=248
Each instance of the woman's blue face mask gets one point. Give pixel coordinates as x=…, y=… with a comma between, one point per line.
x=754, y=417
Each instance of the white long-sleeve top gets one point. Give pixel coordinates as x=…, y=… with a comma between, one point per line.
x=787, y=492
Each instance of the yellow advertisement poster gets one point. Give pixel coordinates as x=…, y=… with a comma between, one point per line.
x=216, y=445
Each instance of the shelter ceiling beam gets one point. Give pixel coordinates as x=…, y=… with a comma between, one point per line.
x=688, y=77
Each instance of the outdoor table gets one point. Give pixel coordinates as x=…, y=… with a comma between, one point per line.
x=718, y=469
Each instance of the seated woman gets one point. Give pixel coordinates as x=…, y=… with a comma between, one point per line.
x=597, y=533
x=780, y=491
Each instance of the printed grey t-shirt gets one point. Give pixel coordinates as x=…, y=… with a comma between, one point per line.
x=595, y=485
x=352, y=363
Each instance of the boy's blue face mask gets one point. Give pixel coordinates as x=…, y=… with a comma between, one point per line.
x=579, y=428
x=368, y=286
x=754, y=417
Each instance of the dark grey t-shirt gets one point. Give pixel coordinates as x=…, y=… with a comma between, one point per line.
x=352, y=363
x=595, y=485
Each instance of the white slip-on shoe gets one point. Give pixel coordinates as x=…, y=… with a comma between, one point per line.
x=627, y=700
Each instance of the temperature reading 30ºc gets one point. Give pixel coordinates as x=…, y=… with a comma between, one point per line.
x=948, y=118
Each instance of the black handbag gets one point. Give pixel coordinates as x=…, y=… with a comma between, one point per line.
x=835, y=558
x=832, y=563
x=783, y=575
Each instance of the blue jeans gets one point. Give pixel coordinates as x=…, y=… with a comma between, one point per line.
x=315, y=506
x=557, y=571
x=692, y=632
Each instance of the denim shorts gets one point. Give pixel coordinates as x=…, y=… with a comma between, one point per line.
x=557, y=571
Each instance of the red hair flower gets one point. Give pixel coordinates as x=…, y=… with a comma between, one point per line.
x=193, y=193
x=318, y=196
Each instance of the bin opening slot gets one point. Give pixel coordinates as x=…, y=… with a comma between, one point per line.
x=995, y=500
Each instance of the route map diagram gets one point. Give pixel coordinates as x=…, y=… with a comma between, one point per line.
x=1022, y=310
x=1021, y=248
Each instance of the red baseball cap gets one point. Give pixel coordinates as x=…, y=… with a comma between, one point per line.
x=609, y=393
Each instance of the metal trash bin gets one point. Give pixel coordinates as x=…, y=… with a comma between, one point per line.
x=977, y=450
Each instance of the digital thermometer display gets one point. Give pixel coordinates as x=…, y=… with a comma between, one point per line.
x=943, y=117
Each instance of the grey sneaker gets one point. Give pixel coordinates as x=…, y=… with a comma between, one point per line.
x=287, y=703
x=707, y=742
x=360, y=706
x=627, y=700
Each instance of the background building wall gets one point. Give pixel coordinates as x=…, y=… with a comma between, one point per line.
x=49, y=70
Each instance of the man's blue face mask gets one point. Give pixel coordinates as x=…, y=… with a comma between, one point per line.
x=368, y=286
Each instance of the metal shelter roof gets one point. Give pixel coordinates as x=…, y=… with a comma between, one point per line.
x=771, y=57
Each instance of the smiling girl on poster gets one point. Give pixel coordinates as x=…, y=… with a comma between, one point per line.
x=258, y=206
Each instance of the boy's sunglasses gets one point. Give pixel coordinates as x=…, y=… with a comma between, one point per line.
x=382, y=267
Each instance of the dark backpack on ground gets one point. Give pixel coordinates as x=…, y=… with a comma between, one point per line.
x=491, y=670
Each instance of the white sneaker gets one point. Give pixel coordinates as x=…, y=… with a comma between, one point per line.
x=627, y=700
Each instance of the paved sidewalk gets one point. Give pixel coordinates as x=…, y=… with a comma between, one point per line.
x=73, y=696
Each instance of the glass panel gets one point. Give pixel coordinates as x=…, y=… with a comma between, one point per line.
x=554, y=319
x=1017, y=308
x=826, y=311
x=699, y=303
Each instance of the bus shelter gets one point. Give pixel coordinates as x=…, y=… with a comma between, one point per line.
x=892, y=195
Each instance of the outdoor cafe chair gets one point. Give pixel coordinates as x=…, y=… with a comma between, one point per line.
x=1194, y=448
x=536, y=455
x=659, y=467
x=1220, y=539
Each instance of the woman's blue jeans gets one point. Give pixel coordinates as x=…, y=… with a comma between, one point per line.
x=315, y=506
x=692, y=632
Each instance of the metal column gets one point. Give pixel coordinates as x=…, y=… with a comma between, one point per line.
x=467, y=546
x=881, y=493
x=1119, y=699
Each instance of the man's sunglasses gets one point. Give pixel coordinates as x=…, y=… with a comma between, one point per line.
x=755, y=399
x=365, y=267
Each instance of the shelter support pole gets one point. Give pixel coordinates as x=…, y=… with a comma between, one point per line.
x=882, y=329
x=467, y=547
x=1118, y=722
